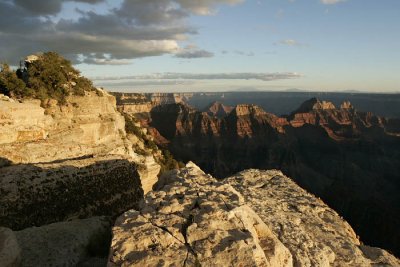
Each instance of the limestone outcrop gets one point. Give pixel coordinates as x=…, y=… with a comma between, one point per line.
x=50, y=154
x=87, y=125
x=193, y=220
x=254, y=218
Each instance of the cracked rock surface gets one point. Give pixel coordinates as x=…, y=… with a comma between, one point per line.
x=190, y=219
x=254, y=218
x=314, y=233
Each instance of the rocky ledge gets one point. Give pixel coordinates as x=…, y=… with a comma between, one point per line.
x=255, y=218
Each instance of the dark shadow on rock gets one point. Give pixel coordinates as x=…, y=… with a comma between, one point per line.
x=39, y=194
x=4, y=162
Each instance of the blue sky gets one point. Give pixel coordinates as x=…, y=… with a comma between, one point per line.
x=219, y=45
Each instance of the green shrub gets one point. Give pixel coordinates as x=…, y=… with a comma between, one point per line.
x=11, y=85
x=50, y=76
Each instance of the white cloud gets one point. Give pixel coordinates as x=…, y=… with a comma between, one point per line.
x=138, y=28
x=331, y=2
x=290, y=42
x=207, y=76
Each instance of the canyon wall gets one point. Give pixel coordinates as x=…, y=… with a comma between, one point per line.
x=348, y=158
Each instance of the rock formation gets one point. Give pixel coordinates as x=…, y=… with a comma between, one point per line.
x=50, y=155
x=314, y=233
x=192, y=220
x=348, y=158
x=86, y=126
x=255, y=218
x=218, y=110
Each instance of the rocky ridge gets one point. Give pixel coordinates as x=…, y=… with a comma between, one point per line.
x=348, y=158
x=218, y=109
x=255, y=218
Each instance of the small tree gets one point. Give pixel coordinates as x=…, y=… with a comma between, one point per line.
x=49, y=76
x=11, y=85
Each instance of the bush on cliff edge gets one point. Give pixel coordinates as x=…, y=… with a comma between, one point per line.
x=45, y=76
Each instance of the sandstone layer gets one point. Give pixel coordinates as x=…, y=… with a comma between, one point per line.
x=68, y=161
x=87, y=125
x=193, y=220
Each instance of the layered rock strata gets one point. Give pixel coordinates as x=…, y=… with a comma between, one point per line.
x=87, y=125
x=348, y=158
x=68, y=161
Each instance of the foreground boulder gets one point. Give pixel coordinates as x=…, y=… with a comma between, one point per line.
x=192, y=220
x=255, y=218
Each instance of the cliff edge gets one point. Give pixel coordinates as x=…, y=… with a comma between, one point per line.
x=254, y=218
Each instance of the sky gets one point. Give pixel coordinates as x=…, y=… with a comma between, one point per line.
x=213, y=45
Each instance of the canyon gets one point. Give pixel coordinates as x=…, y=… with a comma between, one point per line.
x=81, y=186
x=347, y=157
x=87, y=179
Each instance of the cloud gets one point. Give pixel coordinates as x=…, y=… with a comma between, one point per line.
x=243, y=53
x=207, y=76
x=192, y=51
x=290, y=42
x=136, y=28
x=130, y=83
x=331, y=2
x=48, y=7
x=194, y=54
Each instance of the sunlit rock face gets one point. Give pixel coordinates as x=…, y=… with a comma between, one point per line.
x=254, y=218
x=59, y=162
x=192, y=220
x=87, y=125
x=348, y=158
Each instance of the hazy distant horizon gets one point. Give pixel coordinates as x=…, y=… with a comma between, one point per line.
x=214, y=45
x=234, y=90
